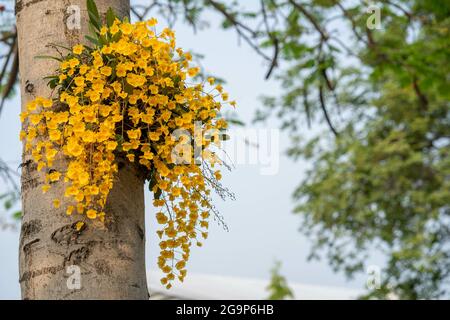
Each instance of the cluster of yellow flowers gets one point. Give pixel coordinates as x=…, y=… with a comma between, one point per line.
x=125, y=98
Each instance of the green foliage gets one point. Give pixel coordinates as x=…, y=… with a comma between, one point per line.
x=381, y=182
x=278, y=287
x=380, y=174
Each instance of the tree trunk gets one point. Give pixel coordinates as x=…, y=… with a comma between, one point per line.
x=108, y=257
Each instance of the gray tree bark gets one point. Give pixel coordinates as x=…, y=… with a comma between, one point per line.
x=109, y=256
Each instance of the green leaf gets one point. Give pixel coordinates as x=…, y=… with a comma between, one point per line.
x=157, y=194
x=94, y=17
x=94, y=22
x=152, y=183
x=102, y=40
x=116, y=37
x=50, y=77
x=128, y=88
x=92, y=40
x=17, y=215
x=8, y=204
x=53, y=83
x=110, y=17
x=236, y=122
x=151, y=179
x=308, y=64
x=92, y=9
x=48, y=57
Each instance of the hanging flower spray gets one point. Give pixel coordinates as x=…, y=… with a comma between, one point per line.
x=130, y=96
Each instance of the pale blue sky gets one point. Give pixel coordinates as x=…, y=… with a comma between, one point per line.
x=262, y=227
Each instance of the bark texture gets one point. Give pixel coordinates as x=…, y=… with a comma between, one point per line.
x=110, y=256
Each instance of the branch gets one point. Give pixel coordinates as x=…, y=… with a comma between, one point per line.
x=352, y=21
x=8, y=57
x=8, y=175
x=221, y=8
x=324, y=109
x=274, y=40
x=239, y=27
x=405, y=12
x=13, y=72
x=311, y=19
x=423, y=101
x=141, y=16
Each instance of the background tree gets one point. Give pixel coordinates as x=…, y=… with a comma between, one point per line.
x=379, y=178
x=278, y=287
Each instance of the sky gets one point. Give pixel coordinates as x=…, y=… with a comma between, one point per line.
x=262, y=227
